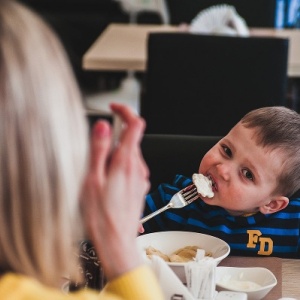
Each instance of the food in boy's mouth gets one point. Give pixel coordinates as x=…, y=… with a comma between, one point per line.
x=203, y=185
x=181, y=255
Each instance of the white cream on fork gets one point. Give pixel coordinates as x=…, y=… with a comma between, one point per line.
x=203, y=185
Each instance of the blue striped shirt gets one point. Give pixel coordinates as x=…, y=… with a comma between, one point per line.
x=274, y=234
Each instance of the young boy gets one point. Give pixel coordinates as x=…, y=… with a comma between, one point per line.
x=254, y=169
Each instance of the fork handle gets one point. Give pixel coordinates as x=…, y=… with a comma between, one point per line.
x=157, y=212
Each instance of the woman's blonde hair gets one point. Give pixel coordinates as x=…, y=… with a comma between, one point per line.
x=43, y=149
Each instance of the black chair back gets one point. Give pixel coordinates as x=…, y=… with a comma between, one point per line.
x=202, y=84
x=168, y=155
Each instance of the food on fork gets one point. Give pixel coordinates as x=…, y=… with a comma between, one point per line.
x=181, y=255
x=203, y=185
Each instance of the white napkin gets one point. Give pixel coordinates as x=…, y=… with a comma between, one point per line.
x=169, y=282
x=220, y=20
x=201, y=279
x=201, y=276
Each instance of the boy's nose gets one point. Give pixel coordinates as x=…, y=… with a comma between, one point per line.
x=223, y=171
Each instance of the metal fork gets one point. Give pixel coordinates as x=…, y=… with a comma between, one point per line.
x=179, y=200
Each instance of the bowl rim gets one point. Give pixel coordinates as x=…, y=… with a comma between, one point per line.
x=175, y=264
x=262, y=288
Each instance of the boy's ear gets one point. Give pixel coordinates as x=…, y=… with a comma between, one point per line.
x=276, y=204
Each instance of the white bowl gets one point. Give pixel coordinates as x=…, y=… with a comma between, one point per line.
x=169, y=241
x=255, y=282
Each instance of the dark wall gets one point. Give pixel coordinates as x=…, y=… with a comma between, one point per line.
x=78, y=23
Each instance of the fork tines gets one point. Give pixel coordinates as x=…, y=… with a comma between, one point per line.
x=190, y=193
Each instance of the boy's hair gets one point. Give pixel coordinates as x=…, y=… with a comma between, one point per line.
x=43, y=149
x=278, y=127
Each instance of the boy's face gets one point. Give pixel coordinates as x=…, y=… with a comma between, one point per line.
x=243, y=173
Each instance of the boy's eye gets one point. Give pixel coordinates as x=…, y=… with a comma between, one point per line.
x=248, y=174
x=227, y=151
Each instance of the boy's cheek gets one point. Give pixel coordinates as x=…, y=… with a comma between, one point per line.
x=207, y=161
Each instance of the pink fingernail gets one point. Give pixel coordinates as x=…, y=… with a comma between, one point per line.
x=101, y=129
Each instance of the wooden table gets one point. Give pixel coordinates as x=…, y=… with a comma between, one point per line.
x=291, y=278
x=123, y=47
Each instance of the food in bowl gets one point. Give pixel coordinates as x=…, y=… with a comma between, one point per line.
x=181, y=255
x=167, y=242
x=150, y=251
x=203, y=185
x=241, y=285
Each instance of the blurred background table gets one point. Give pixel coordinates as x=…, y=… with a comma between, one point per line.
x=124, y=47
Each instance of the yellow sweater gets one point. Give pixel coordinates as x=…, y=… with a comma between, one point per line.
x=139, y=284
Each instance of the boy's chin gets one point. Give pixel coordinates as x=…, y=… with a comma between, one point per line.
x=209, y=201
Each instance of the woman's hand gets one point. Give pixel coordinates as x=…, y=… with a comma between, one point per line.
x=114, y=192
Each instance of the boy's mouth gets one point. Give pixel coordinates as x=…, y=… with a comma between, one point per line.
x=213, y=183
